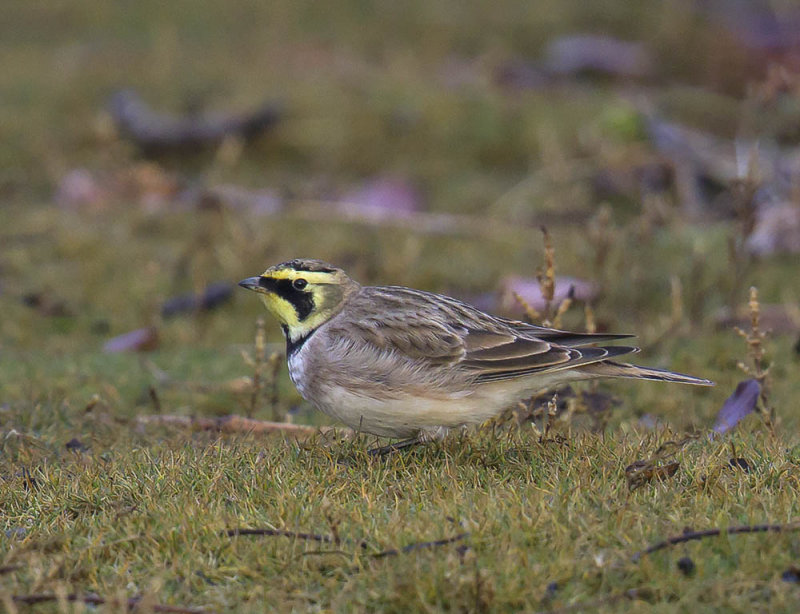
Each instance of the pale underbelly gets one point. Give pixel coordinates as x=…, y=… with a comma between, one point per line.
x=403, y=417
x=410, y=416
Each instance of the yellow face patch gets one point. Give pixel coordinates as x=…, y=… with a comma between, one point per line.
x=300, y=300
x=302, y=294
x=282, y=309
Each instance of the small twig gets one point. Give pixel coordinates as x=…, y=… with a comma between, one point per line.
x=316, y=537
x=639, y=593
x=335, y=539
x=238, y=424
x=420, y=546
x=9, y=568
x=695, y=535
x=92, y=599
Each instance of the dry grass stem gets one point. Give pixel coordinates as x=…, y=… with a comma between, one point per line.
x=531, y=313
x=564, y=307
x=755, y=365
x=591, y=322
x=547, y=278
x=259, y=352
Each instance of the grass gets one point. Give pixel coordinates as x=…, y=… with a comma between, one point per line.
x=143, y=512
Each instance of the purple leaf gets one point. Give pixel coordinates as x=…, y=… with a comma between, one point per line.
x=741, y=403
x=214, y=295
x=777, y=230
x=568, y=55
x=140, y=340
x=79, y=188
x=384, y=197
x=530, y=290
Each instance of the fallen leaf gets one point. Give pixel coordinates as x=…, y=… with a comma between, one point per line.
x=741, y=403
x=518, y=74
x=156, y=132
x=79, y=188
x=777, y=230
x=75, y=445
x=778, y=319
x=213, y=296
x=140, y=340
x=16, y=533
x=47, y=305
x=383, y=197
x=740, y=463
x=644, y=471
x=686, y=566
x=568, y=55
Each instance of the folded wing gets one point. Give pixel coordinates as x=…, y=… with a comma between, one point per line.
x=498, y=356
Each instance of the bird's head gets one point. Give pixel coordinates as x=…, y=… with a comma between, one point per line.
x=302, y=294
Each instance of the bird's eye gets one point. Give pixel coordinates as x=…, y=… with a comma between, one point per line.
x=299, y=284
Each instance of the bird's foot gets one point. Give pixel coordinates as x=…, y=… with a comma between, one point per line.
x=394, y=447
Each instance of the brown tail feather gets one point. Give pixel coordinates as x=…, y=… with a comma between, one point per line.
x=609, y=368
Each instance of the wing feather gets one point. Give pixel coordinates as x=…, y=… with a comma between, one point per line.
x=570, y=358
x=444, y=332
x=509, y=347
x=562, y=337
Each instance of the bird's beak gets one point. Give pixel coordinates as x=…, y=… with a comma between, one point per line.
x=251, y=283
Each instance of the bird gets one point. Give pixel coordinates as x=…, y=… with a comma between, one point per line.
x=407, y=364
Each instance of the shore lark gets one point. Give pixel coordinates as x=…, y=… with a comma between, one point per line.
x=403, y=363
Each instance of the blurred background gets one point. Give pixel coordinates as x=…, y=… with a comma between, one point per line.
x=152, y=154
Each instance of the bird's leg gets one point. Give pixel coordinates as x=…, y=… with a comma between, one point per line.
x=425, y=435
x=394, y=447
